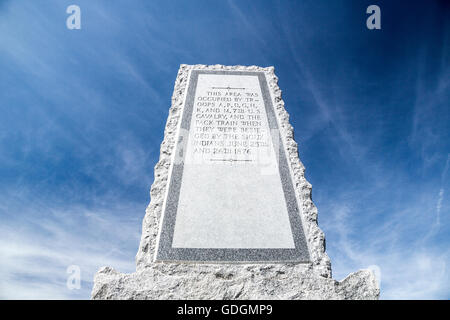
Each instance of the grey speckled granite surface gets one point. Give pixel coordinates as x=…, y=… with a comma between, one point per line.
x=232, y=281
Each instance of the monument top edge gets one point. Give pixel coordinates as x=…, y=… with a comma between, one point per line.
x=270, y=69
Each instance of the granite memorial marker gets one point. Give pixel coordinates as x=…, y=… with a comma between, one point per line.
x=231, y=214
x=230, y=195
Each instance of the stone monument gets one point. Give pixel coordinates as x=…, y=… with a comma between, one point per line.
x=231, y=214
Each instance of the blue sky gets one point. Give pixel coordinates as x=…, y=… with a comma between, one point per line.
x=82, y=115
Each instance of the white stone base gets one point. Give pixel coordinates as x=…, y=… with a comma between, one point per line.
x=256, y=281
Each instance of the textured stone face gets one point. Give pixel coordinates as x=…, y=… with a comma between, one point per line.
x=222, y=279
x=232, y=282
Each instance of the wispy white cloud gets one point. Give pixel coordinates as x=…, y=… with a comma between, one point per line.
x=245, y=21
x=35, y=251
x=411, y=266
